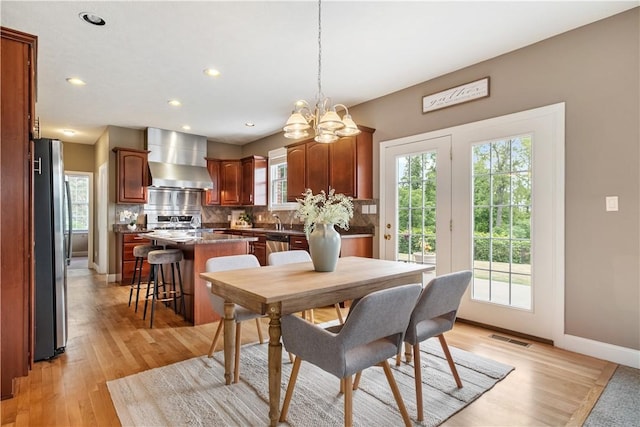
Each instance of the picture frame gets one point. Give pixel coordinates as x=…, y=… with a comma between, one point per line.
x=456, y=95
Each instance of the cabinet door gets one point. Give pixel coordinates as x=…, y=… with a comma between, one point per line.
x=317, y=167
x=342, y=166
x=212, y=197
x=132, y=176
x=254, y=181
x=231, y=181
x=247, y=182
x=296, y=172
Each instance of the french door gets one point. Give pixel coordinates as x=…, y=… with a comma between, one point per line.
x=417, y=208
x=498, y=212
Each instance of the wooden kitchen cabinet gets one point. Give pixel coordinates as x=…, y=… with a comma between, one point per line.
x=230, y=182
x=132, y=174
x=345, y=165
x=18, y=82
x=298, y=243
x=128, y=261
x=212, y=197
x=254, y=181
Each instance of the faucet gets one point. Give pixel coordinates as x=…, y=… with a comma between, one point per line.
x=278, y=222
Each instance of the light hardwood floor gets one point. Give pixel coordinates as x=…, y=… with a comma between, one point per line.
x=107, y=340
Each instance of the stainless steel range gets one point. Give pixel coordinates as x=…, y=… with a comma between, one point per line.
x=172, y=208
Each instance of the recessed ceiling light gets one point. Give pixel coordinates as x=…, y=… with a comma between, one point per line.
x=76, y=81
x=249, y=124
x=68, y=132
x=174, y=103
x=186, y=127
x=92, y=18
x=211, y=72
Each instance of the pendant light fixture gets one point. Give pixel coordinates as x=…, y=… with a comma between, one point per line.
x=327, y=124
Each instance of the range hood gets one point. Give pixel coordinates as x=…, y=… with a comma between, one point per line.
x=177, y=160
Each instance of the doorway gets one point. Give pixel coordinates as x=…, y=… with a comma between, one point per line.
x=499, y=212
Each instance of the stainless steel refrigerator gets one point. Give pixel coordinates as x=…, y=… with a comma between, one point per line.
x=52, y=234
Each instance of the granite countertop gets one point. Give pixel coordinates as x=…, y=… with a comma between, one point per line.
x=191, y=237
x=351, y=233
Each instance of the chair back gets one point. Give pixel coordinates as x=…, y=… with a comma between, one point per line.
x=288, y=257
x=381, y=314
x=225, y=263
x=441, y=297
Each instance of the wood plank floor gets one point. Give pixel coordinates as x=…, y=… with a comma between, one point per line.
x=107, y=340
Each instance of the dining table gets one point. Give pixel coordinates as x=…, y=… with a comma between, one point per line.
x=280, y=290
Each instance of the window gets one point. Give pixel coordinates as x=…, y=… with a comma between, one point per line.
x=278, y=181
x=79, y=188
x=502, y=221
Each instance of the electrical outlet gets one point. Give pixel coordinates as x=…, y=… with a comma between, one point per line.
x=365, y=209
x=373, y=209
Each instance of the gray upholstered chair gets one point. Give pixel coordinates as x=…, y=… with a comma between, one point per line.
x=224, y=263
x=435, y=314
x=372, y=333
x=290, y=257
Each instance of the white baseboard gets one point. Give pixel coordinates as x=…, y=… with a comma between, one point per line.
x=601, y=350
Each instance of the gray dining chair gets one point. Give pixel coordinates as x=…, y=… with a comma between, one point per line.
x=225, y=263
x=372, y=333
x=290, y=257
x=433, y=315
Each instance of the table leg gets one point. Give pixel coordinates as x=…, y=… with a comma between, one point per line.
x=229, y=333
x=275, y=364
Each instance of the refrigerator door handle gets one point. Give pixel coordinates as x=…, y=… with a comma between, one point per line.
x=67, y=190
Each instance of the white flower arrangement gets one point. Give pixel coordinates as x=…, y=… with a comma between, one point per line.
x=130, y=217
x=322, y=208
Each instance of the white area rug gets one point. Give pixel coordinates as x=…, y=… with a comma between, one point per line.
x=192, y=392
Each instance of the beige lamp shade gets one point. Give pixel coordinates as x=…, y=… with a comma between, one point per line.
x=330, y=121
x=350, y=128
x=296, y=122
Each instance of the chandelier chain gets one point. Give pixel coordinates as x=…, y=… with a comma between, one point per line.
x=320, y=49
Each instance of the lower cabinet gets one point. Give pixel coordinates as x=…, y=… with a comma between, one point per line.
x=298, y=242
x=259, y=247
x=350, y=246
x=129, y=241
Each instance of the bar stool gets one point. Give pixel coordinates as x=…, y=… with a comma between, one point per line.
x=140, y=252
x=160, y=258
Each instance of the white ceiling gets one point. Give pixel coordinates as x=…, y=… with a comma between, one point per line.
x=150, y=52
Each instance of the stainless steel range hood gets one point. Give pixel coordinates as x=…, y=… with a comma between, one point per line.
x=177, y=160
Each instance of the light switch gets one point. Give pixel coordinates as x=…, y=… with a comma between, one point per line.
x=365, y=209
x=611, y=203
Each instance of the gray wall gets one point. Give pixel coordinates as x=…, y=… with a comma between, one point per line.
x=595, y=71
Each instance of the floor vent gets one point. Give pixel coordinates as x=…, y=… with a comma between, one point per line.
x=510, y=340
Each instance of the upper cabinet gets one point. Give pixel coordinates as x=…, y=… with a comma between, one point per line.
x=212, y=197
x=254, y=181
x=238, y=182
x=230, y=182
x=345, y=165
x=132, y=173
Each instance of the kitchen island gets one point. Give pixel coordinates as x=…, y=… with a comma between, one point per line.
x=197, y=248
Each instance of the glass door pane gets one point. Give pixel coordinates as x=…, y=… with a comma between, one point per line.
x=502, y=222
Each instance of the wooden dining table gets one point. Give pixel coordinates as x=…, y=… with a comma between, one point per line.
x=285, y=289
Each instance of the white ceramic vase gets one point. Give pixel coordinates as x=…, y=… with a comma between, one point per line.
x=324, y=245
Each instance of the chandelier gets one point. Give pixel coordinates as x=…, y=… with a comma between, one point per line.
x=327, y=124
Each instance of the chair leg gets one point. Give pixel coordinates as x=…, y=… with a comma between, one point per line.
x=236, y=363
x=399, y=357
x=138, y=286
x=396, y=393
x=259, y=331
x=152, y=273
x=348, y=401
x=445, y=349
x=153, y=300
x=417, y=375
x=182, y=303
x=339, y=314
x=312, y=318
x=215, y=338
x=290, y=387
x=133, y=280
x=356, y=382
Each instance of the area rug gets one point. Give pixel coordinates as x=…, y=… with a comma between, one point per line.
x=619, y=403
x=192, y=392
